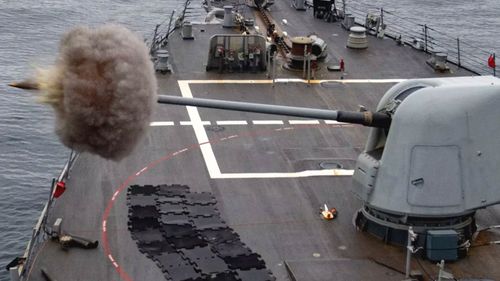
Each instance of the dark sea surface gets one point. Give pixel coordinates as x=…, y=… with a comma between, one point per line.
x=31, y=155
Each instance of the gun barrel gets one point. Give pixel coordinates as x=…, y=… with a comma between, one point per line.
x=367, y=118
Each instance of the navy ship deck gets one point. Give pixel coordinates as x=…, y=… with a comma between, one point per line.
x=263, y=170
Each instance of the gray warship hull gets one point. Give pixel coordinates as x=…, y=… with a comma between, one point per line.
x=265, y=174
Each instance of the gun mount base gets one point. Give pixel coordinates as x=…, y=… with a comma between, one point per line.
x=393, y=228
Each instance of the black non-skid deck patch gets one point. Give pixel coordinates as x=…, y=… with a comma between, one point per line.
x=254, y=274
x=136, y=223
x=182, y=231
x=155, y=248
x=221, y=235
x=143, y=200
x=148, y=235
x=232, y=249
x=205, y=260
x=202, y=211
x=144, y=189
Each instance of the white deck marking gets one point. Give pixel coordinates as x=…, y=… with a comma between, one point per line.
x=200, y=133
x=333, y=122
x=206, y=147
x=114, y=195
x=161, y=123
x=295, y=80
x=191, y=123
x=301, y=174
x=267, y=122
x=303, y=122
x=141, y=171
x=245, y=122
x=233, y=122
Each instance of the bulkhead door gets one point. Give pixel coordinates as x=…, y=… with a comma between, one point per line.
x=435, y=176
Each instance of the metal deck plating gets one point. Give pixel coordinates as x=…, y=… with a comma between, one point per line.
x=263, y=171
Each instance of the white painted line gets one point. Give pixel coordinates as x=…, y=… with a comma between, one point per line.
x=190, y=123
x=142, y=170
x=295, y=80
x=104, y=225
x=244, y=122
x=200, y=133
x=292, y=80
x=267, y=122
x=209, y=156
x=234, y=122
x=114, y=195
x=226, y=81
x=161, y=123
x=303, y=122
x=302, y=174
x=333, y=122
x=360, y=81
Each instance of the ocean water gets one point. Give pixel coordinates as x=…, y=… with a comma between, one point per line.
x=30, y=154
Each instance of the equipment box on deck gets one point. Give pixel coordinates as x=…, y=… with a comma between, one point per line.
x=442, y=245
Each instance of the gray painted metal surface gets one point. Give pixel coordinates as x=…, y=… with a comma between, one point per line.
x=373, y=119
x=276, y=217
x=440, y=153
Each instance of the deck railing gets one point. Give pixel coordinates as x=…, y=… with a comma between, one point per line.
x=38, y=234
x=459, y=50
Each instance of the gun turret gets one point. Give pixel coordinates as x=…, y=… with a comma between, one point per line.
x=367, y=118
